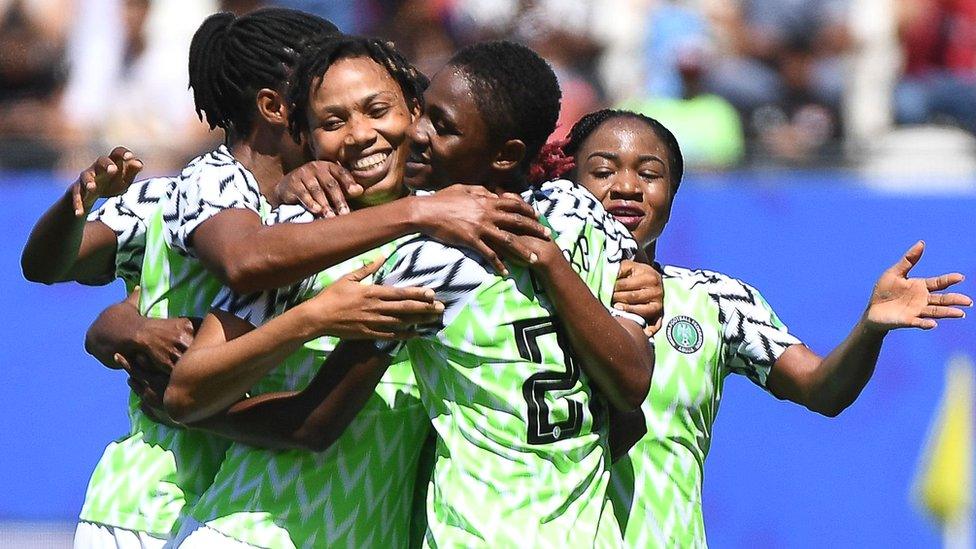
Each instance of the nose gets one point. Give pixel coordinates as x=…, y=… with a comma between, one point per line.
x=419, y=133
x=626, y=186
x=360, y=133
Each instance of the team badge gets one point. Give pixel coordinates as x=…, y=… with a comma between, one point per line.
x=685, y=334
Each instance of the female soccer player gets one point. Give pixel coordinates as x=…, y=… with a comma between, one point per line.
x=714, y=325
x=521, y=454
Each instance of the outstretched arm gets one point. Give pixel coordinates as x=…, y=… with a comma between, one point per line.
x=829, y=385
x=63, y=245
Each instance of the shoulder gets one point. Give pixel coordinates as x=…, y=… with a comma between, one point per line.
x=569, y=206
x=217, y=173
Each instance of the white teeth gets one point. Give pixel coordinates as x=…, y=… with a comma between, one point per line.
x=370, y=161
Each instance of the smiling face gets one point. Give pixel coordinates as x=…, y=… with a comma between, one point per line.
x=625, y=165
x=450, y=141
x=359, y=117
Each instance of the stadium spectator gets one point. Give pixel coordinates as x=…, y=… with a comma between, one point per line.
x=32, y=38
x=939, y=41
x=128, y=80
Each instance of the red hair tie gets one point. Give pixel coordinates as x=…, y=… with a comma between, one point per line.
x=551, y=162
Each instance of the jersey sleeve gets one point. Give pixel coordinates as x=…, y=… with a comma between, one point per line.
x=127, y=216
x=752, y=334
x=453, y=273
x=212, y=184
x=260, y=307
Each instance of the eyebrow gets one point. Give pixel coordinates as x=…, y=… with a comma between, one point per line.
x=365, y=101
x=614, y=156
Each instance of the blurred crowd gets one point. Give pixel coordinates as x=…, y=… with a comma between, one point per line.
x=740, y=82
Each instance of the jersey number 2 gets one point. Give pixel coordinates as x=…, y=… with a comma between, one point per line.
x=541, y=430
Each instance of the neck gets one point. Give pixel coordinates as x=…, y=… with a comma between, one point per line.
x=507, y=183
x=268, y=169
x=650, y=253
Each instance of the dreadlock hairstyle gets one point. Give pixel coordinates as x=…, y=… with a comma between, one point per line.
x=324, y=52
x=515, y=90
x=590, y=122
x=231, y=58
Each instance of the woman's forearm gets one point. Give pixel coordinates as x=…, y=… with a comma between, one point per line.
x=614, y=353
x=57, y=242
x=314, y=418
x=253, y=257
x=209, y=378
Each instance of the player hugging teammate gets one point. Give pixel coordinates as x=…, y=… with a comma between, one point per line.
x=362, y=324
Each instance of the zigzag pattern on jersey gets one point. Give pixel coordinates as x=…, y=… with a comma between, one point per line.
x=127, y=215
x=749, y=322
x=197, y=198
x=575, y=202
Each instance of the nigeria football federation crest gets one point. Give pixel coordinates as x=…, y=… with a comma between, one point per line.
x=685, y=334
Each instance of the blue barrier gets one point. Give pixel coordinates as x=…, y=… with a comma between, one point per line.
x=776, y=475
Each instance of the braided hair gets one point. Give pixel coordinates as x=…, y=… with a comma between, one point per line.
x=590, y=122
x=231, y=58
x=324, y=52
x=515, y=90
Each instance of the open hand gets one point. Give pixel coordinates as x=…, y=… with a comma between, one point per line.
x=349, y=309
x=902, y=302
x=640, y=290
x=321, y=187
x=107, y=176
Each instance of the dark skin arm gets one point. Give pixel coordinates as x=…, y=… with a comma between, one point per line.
x=120, y=329
x=829, y=385
x=626, y=430
x=63, y=246
x=311, y=419
x=614, y=352
x=248, y=256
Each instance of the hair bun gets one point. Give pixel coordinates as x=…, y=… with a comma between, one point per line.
x=551, y=162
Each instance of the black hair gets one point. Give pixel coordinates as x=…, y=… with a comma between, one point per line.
x=516, y=92
x=324, y=52
x=590, y=122
x=231, y=58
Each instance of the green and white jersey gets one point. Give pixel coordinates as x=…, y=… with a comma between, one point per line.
x=521, y=457
x=145, y=478
x=359, y=492
x=128, y=216
x=713, y=326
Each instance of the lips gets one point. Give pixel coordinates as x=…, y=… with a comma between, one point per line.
x=370, y=168
x=628, y=216
x=416, y=170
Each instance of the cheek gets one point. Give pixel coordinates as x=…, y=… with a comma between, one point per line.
x=325, y=145
x=600, y=188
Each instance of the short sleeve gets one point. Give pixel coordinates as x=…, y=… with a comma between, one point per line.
x=454, y=274
x=127, y=216
x=260, y=307
x=753, y=336
x=209, y=185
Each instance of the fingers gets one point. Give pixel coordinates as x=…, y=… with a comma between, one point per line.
x=133, y=297
x=314, y=198
x=331, y=191
x=910, y=259
x=122, y=362
x=516, y=206
x=410, y=307
x=346, y=180
x=389, y=293
x=366, y=270
x=645, y=297
x=941, y=282
x=949, y=300
x=509, y=246
x=127, y=163
x=924, y=323
x=521, y=225
x=937, y=311
x=490, y=256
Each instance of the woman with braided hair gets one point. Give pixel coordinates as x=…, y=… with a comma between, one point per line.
x=713, y=325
